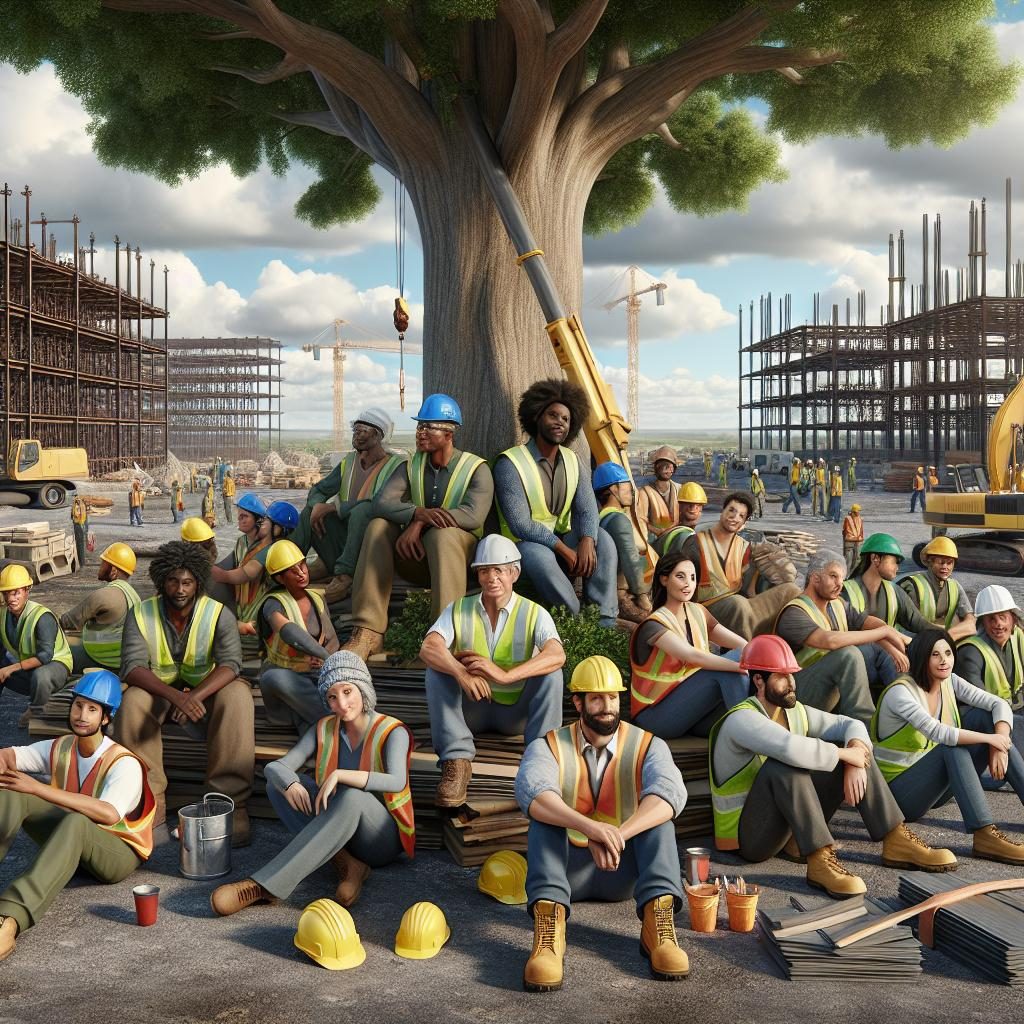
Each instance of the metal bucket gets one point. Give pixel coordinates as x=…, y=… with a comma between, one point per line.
x=205, y=830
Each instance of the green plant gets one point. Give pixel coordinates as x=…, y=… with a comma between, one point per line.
x=405, y=635
x=583, y=635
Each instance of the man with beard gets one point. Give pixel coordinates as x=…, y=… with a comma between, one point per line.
x=780, y=770
x=657, y=502
x=871, y=589
x=601, y=796
x=95, y=813
x=939, y=597
x=547, y=506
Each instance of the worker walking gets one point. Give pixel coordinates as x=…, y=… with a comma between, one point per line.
x=177, y=502
x=917, y=491
x=136, y=503
x=227, y=493
x=853, y=536
x=614, y=491
x=870, y=588
x=835, y=500
x=723, y=472
x=940, y=598
x=707, y=464
x=818, y=489
x=851, y=474
x=80, y=528
x=657, y=502
x=757, y=489
x=209, y=504
x=795, y=477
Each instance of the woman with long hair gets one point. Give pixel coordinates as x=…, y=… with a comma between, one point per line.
x=934, y=734
x=672, y=647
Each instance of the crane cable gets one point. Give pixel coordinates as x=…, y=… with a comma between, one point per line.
x=401, y=315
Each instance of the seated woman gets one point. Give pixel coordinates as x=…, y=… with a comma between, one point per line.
x=358, y=813
x=672, y=647
x=929, y=750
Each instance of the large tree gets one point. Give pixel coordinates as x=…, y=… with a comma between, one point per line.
x=589, y=103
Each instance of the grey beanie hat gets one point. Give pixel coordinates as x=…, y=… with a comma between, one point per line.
x=346, y=667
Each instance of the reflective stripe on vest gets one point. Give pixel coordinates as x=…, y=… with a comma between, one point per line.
x=666, y=540
x=533, y=486
x=280, y=653
x=459, y=477
x=514, y=645
x=896, y=753
x=807, y=656
x=729, y=795
x=666, y=514
x=103, y=643
x=995, y=680
x=928, y=604
x=662, y=672
x=375, y=479
x=249, y=594
x=371, y=759
x=718, y=580
x=621, y=783
x=137, y=829
x=197, y=662
x=856, y=592
x=25, y=635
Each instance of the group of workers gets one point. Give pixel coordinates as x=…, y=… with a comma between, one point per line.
x=820, y=482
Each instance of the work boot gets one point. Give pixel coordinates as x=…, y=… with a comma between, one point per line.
x=241, y=834
x=351, y=875
x=365, y=642
x=658, y=940
x=902, y=848
x=26, y=717
x=644, y=603
x=455, y=776
x=160, y=810
x=629, y=609
x=825, y=871
x=232, y=897
x=991, y=844
x=338, y=589
x=543, y=971
x=791, y=852
x=8, y=935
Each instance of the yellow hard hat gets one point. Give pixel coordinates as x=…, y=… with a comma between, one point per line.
x=920, y=469
x=422, y=933
x=283, y=554
x=596, y=674
x=327, y=934
x=196, y=530
x=120, y=555
x=503, y=876
x=940, y=546
x=14, y=577
x=855, y=507
x=693, y=492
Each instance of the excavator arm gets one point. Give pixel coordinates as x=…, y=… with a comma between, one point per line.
x=1004, y=453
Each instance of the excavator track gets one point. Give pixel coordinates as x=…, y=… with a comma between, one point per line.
x=994, y=554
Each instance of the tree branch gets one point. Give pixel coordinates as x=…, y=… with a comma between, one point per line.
x=285, y=69
x=667, y=137
x=356, y=126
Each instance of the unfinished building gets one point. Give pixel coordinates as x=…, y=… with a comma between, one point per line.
x=223, y=398
x=81, y=364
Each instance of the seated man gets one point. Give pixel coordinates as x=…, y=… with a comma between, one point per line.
x=181, y=655
x=494, y=664
x=657, y=502
x=284, y=517
x=938, y=597
x=243, y=569
x=99, y=618
x=426, y=522
x=614, y=491
x=546, y=505
x=195, y=531
x=726, y=573
x=780, y=770
x=871, y=590
x=601, y=796
x=95, y=813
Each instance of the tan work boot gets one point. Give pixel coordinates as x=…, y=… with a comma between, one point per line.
x=658, y=940
x=241, y=834
x=902, y=848
x=791, y=852
x=338, y=589
x=644, y=603
x=628, y=608
x=8, y=935
x=824, y=871
x=232, y=897
x=365, y=642
x=543, y=971
x=351, y=875
x=455, y=776
x=991, y=844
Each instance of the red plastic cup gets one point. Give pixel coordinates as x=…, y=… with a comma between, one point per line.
x=147, y=898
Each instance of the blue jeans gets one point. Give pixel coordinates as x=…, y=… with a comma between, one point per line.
x=881, y=668
x=916, y=498
x=794, y=498
x=835, y=508
x=135, y=516
x=291, y=698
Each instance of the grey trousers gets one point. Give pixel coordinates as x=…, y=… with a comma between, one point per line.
x=291, y=698
x=455, y=718
x=752, y=616
x=39, y=684
x=342, y=538
x=80, y=660
x=838, y=683
x=785, y=799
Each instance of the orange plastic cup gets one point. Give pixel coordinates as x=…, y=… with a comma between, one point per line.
x=703, y=902
x=742, y=908
x=147, y=899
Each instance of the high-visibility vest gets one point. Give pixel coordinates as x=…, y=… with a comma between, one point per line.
x=515, y=644
x=621, y=784
x=136, y=499
x=857, y=595
x=807, y=656
x=836, y=490
x=459, y=478
x=995, y=680
x=371, y=759
x=609, y=510
x=729, y=795
x=103, y=643
x=377, y=477
x=756, y=485
x=662, y=513
x=927, y=602
x=662, y=672
x=249, y=594
x=667, y=539
x=137, y=829
x=819, y=477
x=853, y=529
x=25, y=646
x=718, y=580
x=281, y=653
x=795, y=473
x=529, y=473
x=918, y=482
x=228, y=487
x=197, y=662
x=894, y=754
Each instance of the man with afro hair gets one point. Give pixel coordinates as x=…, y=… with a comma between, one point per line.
x=181, y=656
x=547, y=506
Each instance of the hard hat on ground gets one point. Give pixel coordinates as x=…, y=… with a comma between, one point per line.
x=284, y=514
x=693, y=493
x=882, y=544
x=596, y=674
x=250, y=503
x=439, y=408
x=196, y=530
x=607, y=475
x=327, y=934
x=855, y=507
x=495, y=550
x=503, y=876
x=665, y=453
x=119, y=555
x=942, y=546
x=994, y=598
x=14, y=577
x=422, y=933
x=375, y=416
x=283, y=554
x=102, y=687
x=769, y=653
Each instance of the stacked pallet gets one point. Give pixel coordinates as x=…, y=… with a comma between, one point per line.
x=46, y=553
x=799, y=544
x=900, y=477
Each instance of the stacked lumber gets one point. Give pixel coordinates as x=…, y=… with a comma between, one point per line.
x=46, y=553
x=97, y=505
x=799, y=544
x=900, y=477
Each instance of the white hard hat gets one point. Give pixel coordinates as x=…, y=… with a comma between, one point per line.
x=495, y=550
x=378, y=418
x=994, y=598
x=756, y=473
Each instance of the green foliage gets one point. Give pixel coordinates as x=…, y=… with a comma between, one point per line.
x=405, y=635
x=583, y=635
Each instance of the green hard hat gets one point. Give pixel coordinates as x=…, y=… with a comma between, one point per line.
x=881, y=544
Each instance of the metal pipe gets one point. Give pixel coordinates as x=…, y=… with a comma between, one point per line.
x=984, y=247
x=27, y=193
x=1009, y=261
x=924, y=262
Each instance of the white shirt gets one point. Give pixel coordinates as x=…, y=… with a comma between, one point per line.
x=597, y=758
x=542, y=633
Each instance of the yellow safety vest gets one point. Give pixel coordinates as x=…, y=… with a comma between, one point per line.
x=717, y=580
x=198, y=661
x=895, y=753
x=995, y=680
x=248, y=595
x=533, y=486
x=807, y=656
x=25, y=635
x=375, y=479
x=280, y=653
x=460, y=475
x=927, y=602
x=103, y=643
x=662, y=672
x=857, y=595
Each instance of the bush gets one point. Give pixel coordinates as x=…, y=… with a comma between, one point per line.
x=583, y=635
x=405, y=635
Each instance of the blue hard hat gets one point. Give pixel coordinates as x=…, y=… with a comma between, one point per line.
x=608, y=474
x=284, y=513
x=103, y=687
x=250, y=503
x=439, y=409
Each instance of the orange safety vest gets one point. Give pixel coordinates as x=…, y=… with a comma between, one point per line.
x=717, y=580
x=853, y=531
x=248, y=594
x=918, y=482
x=371, y=759
x=136, y=830
x=662, y=672
x=661, y=513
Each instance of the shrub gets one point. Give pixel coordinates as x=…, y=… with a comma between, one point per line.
x=405, y=635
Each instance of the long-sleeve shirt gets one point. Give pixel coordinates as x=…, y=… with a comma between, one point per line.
x=313, y=624
x=45, y=631
x=105, y=606
x=971, y=665
x=631, y=563
x=907, y=614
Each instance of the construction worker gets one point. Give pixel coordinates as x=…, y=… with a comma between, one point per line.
x=494, y=664
x=209, y=507
x=657, y=502
x=193, y=483
x=673, y=647
x=339, y=507
x=96, y=811
x=426, y=521
x=99, y=618
x=818, y=489
x=358, y=811
x=940, y=598
x=296, y=630
x=933, y=479
x=871, y=589
x=177, y=501
x=195, y=531
x=780, y=770
x=853, y=536
x=243, y=569
x=835, y=500
x=796, y=475
x=284, y=517
x=601, y=796
x=707, y=465
x=806, y=477
x=614, y=492
x=547, y=506
x=227, y=493
x=136, y=503
x=723, y=472
x=917, y=491
x=725, y=572
x=80, y=527
x=935, y=733
x=692, y=500
x=851, y=474
x=758, y=490
x=181, y=656
x=37, y=659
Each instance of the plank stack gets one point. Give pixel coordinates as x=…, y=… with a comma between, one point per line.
x=46, y=553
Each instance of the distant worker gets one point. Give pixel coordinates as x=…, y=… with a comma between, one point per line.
x=807, y=479
x=870, y=588
x=851, y=474
x=939, y=597
x=657, y=502
x=723, y=472
x=917, y=491
x=177, y=502
x=853, y=536
x=136, y=503
x=227, y=493
x=818, y=489
x=757, y=489
x=835, y=499
x=933, y=478
x=614, y=491
x=707, y=465
x=209, y=509
x=795, y=478
x=193, y=483
x=80, y=527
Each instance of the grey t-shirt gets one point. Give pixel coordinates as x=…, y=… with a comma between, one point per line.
x=795, y=625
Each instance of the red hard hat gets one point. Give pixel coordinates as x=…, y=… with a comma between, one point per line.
x=769, y=653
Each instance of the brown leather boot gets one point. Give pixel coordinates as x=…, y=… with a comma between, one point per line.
x=991, y=844
x=338, y=589
x=241, y=834
x=455, y=776
x=8, y=935
x=365, y=642
x=26, y=717
x=825, y=871
x=543, y=971
x=628, y=609
x=658, y=941
x=351, y=875
x=232, y=897
x=791, y=852
x=902, y=848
